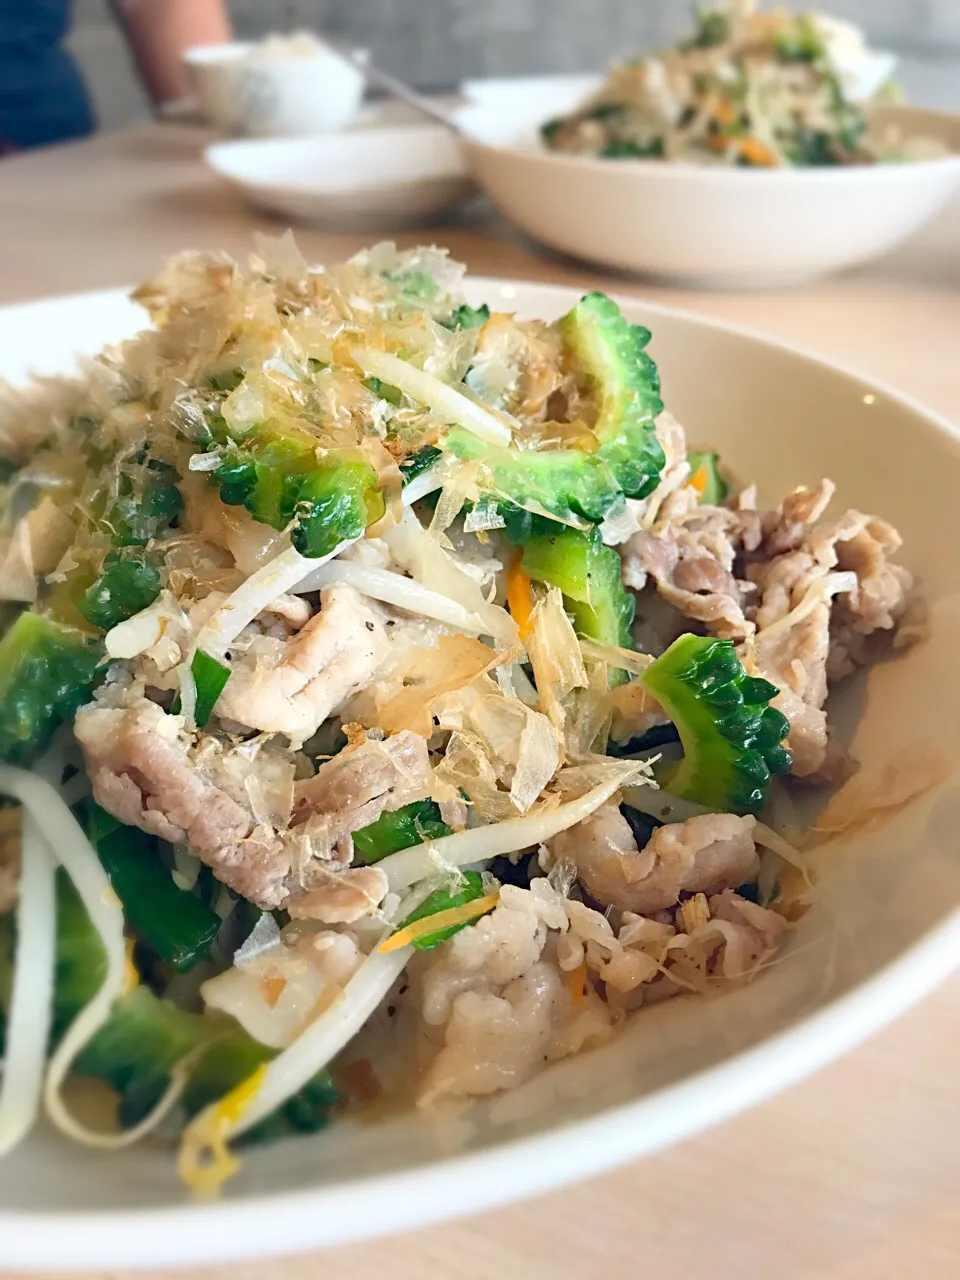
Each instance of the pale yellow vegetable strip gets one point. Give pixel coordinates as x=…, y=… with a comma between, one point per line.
x=205, y=1161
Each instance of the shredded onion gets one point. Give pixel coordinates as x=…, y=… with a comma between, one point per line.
x=240, y=608
x=423, y=554
x=31, y=997
x=188, y=692
x=395, y=589
x=419, y=385
x=833, y=584
x=141, y=631
x=463, y=848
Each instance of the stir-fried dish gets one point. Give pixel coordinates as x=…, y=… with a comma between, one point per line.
x=372, y=660
x=761, y=90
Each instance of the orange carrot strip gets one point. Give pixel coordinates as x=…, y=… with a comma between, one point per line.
x=519, y=598
x=757, y=153
x=576, y=981
x=698, y=481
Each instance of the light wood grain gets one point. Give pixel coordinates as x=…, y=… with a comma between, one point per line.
x=853, y=1175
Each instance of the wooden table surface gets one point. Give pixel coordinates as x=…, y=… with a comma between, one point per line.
x=853, y=1175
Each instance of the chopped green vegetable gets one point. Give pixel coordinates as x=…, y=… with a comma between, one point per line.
x=713, y=28
x=399, y=829
x=420, y=462
x=145, y=507
x=416, y=286
x=178, y=926
x=46, y=671
x=385, y=390
x=612, y=362
x=8, y=469
x=520, y=525
x=615, y=370
x=605, y=111
x=279, y=480
x=704, y=466
x=812, y=149
x=444, y=900
x=226, y=382
x=659, y=735
x=802, y=43
x=308, y=1111
x=128, y=579
x=210, y=677
x=81, y=963
x=465, y=317
x=732, y=739
x=146, y=1036
x=590, y=577
x=128, y=582
x=336, y=503
x=633, y=149
x=141, y=1042
x=556, y=482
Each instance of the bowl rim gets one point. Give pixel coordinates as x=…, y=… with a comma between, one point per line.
x=228, y=52
x=281, y=1223
x=225, y=159
x=217, y=53
x=349, y=136
x=841, y=175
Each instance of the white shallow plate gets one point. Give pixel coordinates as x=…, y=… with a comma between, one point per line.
x=885, y=929
x=712, y=226
x=365, y=179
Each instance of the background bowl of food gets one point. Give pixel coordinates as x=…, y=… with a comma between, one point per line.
x=779, y=942
x=763, y=150
x=279, y=86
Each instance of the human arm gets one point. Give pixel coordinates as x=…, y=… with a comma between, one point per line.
x=158, y=31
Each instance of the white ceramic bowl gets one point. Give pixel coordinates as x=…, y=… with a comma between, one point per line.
x=885, y=929
x=706, y=225
x=365, y=179
x=243, y=91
